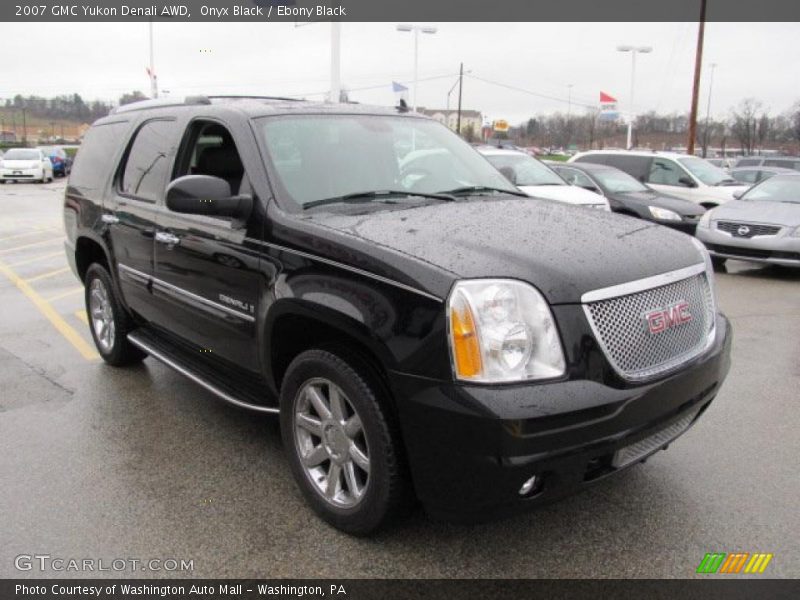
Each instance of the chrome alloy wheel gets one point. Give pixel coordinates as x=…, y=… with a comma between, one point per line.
x=330, y=442
x=101, y=314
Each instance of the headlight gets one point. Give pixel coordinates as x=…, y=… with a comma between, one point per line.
x=705, y=220
x=663, y=214
x=502, y=330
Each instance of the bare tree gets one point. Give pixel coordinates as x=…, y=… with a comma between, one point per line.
x=744, y=123
x=763, y=130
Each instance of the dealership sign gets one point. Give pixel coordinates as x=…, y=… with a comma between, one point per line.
x=608, y=108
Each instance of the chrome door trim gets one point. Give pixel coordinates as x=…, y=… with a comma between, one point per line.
x=640, y=285
x=197, y=379
x=183, y=295
x=133, y=274
x=346, y=267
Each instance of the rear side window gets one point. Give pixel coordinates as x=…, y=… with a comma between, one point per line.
x=145, y=172
x=635, y=166
x=93, y=162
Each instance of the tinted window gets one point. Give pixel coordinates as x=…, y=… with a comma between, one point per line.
x=665, y=172
x=748, y=162
x=745, y=176
x=787, y=164
x=93, y=162
x=146, y=167
x=635, y=166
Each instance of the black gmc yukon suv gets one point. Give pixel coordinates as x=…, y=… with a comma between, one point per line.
x=422, y=329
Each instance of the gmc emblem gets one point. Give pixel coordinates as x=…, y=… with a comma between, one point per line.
x=661, y=319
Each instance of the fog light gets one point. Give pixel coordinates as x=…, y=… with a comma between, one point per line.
x=528, y=486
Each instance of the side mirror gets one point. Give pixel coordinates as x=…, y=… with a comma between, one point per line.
x=207, y=195
x=509, y=173
x=687, y=182
x=738, y=194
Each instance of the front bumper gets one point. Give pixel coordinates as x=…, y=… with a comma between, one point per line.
x=779, y=249
x=470, y=447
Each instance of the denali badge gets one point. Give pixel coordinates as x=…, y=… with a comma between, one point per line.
x=661, y=319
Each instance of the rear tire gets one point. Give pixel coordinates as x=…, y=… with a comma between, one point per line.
x=108, y=321
x=344, y=455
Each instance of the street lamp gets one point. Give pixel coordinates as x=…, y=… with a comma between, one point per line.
x=633, y=50
x=416, y=29
x=708, y=108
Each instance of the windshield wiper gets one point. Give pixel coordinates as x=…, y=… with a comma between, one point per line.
x=359, y=197
x=477, y=189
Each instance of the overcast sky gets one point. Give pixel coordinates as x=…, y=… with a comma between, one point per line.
x=105, y=60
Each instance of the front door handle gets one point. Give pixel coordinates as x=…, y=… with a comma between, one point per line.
x=164, y=237
x=109, y=219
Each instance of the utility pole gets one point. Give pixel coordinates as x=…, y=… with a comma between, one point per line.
x=698, y=67
x=708, y=108
x=569, y=111
x=460, y=86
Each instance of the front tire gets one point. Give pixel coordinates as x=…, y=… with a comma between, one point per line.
x=343, y=453
x=108, y=321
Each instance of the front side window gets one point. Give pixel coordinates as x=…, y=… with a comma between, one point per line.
x=522, y=169
x=319, y=157
x=665, y=172
x=144, y=175
x=705, y=171
x=575, y=177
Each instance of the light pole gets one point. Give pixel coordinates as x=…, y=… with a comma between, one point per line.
x=152, y=69
x=569, y=111
x=708, y=108
x=415, y=29
x=633, y=50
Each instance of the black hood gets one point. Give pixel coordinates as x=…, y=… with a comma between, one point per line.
x=653, y=198
x=563, y=250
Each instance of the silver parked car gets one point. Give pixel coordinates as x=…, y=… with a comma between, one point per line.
x=761, y=225
x=755, y=175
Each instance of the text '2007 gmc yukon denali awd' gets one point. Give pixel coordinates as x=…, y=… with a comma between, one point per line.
x=422, y=329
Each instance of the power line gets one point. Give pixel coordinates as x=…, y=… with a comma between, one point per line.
x=530, y=93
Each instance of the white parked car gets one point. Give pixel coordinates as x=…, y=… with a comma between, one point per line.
x=20, y=164
x=681, y=175
x=537, y=179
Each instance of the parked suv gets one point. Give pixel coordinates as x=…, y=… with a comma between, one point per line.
x=421, y=328
x=681, y=175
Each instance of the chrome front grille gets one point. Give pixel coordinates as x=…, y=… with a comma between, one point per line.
x=642, y=448
x=746, y=230
x=641, y=333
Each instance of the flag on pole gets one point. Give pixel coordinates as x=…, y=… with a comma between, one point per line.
x=400, y=91
x=606, y=99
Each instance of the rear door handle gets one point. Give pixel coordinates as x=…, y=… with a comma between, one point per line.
x=164, y=237
x=109, y=219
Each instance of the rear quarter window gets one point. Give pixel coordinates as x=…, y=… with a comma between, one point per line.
x=94, y=160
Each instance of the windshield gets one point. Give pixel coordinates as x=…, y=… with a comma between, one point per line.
x=618, y=182
x=776, y=189
x=21, y=154
x=318, y=157
x=705, y=171
x=526, y=170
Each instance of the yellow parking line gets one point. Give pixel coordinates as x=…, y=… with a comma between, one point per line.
x=27, y=233
x=65, y=294
x=15, y=248
x=64, y=328
x=81, y=314
x=35, y=258
x=48, y=274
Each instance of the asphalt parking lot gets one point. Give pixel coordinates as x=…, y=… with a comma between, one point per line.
x=97, y=462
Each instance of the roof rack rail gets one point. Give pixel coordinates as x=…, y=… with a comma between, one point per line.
x=247, y=97
x=159, y=103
